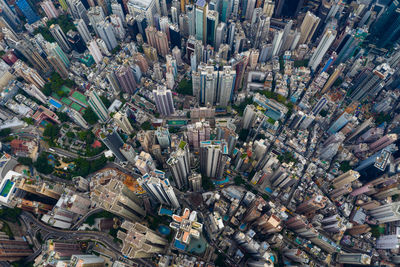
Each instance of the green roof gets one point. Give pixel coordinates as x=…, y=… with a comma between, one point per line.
x=182, y=144
x=80, y=97
x=76, y=106
x=66, y=101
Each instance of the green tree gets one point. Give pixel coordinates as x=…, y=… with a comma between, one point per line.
x=5, y=132
x=90, y=116
x=29, y=121
x=238, y=180
x=62, y=116
x=42, y=165
x=25, y=161
x=70, y=135
x=243, y=135
x=185, y=87
x=10, y=214
x=51, y=131
x=242, y=106
x=345, y=166
x=105, y=101
x=146, y=125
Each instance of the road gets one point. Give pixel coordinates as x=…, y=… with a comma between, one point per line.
x=83, y=219
x=69, y=154
x=100, y=237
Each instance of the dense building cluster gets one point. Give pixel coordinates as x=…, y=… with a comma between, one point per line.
x=199, y=133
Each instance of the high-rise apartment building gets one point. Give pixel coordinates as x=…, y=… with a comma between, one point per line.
x=96, y=16
x=49, y=9
x=106, y=33
x=313, y=204
x=126, y=79
x=78, y=10
x=139, y=241
x=369, y=83
x=197, y=132
x=98, y=106
x=95, y=51
x=179, y=165
x=164, y=101
x=195, y=181
x=9, y=16
x=60, y=37
x=226, y=85
x=117, y=198
x=213, y=158
x=386, y=213
x=122, y=121
x=27, y=10
x=113, y=141
x=200, y=20
x=308, y=27
x=323, y=46
x=83, y=30
x=159, y=188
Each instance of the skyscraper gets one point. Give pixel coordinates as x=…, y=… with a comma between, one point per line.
x=83, y=30
x=49, y=9
x=95, y=51
x=308, y=27
x=345, y=179
x=114, y=196
x=96, y=16
x=27, y=10
x=387, y=26
x=98, y=107
x=212, y=22
x=113, y=141
x=116, y=9
x=106, y=33
x=179, y=165
x=386, y=213
x=197, y=132
x=368, y=83
x=268, y=8
x=201, y=17
x=78, y=10
x=213, y=158
x=60, y=37
x=315, y=203
x=164, y=101
x=138, y=241
x=206, y=87
x=123, y=122
x=159, y=188
x=226, y=85
x=9, y=16
x=126, y=79
x=161, y=40
x=323, y=46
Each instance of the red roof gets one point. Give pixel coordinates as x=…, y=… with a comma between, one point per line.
x=96, y=144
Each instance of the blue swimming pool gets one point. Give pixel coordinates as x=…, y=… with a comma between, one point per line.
x=55, y=103
x=179, y=245
x=164, y=230
x=164, y=211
